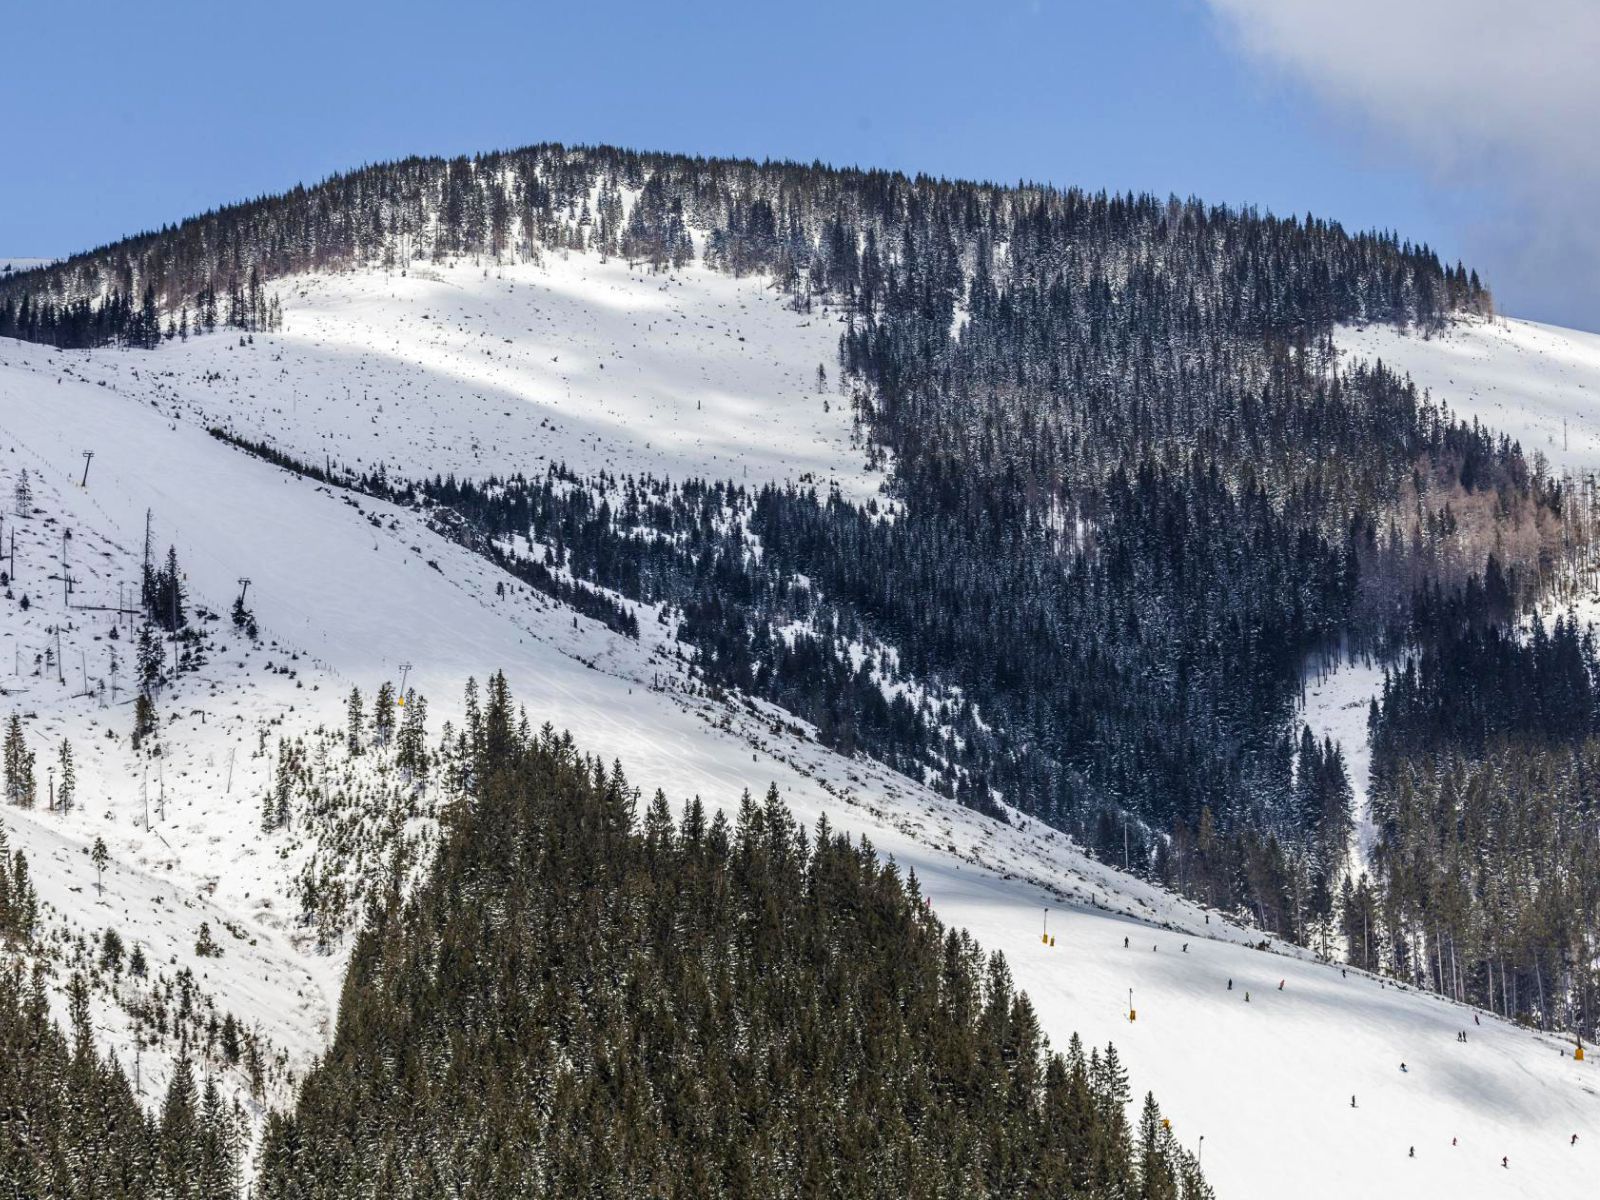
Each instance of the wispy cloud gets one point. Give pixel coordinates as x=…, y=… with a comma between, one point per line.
x=1501, y=97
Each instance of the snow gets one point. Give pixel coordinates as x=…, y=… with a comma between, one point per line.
x=1335, y=701
x=345, y=583
x=475, y=370
x=1539, y=384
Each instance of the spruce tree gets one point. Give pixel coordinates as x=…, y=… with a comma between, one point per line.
x=100, y=857
x=383, y=714
x=355, y=722
x=67, y=791
x=21, y=788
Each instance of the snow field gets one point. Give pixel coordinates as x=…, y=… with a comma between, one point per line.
x=479, y=369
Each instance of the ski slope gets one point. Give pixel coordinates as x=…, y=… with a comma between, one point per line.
x=475, y=370
x=347, y=588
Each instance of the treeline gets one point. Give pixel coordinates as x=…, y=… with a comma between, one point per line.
x=1135, y=687
x=107, y=318
x=536, y=574
x=871, y=237
x=582, y=1000
x=1152, y=673
x=71, y=1125
x=1485, y=795
x=19, y=903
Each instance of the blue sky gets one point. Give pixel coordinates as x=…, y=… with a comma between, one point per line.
x=120, y=117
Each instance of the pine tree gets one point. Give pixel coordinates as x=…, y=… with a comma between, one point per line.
x=68, y=790
x=355, y=722
x=151, y=659
x=179, y=1122
x=244, y=620
x=411, y=744
x=205, y=945
x=22, y=495
x=100, y=857
x=20, y=786
x=111, y=950
x=383, y=714
x=167, y=595
x=144, y=719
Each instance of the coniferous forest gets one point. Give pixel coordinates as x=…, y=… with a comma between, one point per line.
x=586, y=1000
x=72, y=1125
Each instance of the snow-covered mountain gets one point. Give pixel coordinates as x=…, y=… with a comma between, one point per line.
x=1256, y=1048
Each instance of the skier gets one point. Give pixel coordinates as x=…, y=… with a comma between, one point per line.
x=1413, y=1152
x=1186, y=947
x=1403, y=1070
x=1124, y=943
x=1280, y=985
x=1343, y=974
x=1475, y=1020
x=1574, y=1140
x=1352, y=1101
x=1230, y=985
x=1504, y=1163
x=1247, y=997
x=1452, y=1141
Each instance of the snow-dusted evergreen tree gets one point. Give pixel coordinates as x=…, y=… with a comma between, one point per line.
x=411, y=744
x=383, y=707
x=151, y=659
x=67, y=789
x=18, y=904
x=166, y=597
x=355, y=722
x=21, y=788
x=100, y=857
x=244, y=620
x=144, y=718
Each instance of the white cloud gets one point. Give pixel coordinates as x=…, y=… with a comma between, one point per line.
x=1501, y=96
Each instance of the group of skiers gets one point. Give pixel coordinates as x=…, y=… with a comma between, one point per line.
x=1461, y=1036
x=1405, y=1071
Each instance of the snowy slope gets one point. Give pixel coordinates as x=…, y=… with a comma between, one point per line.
x=1335, y=702
x=1539, y=384
x=471, y=370
x=345, y=583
